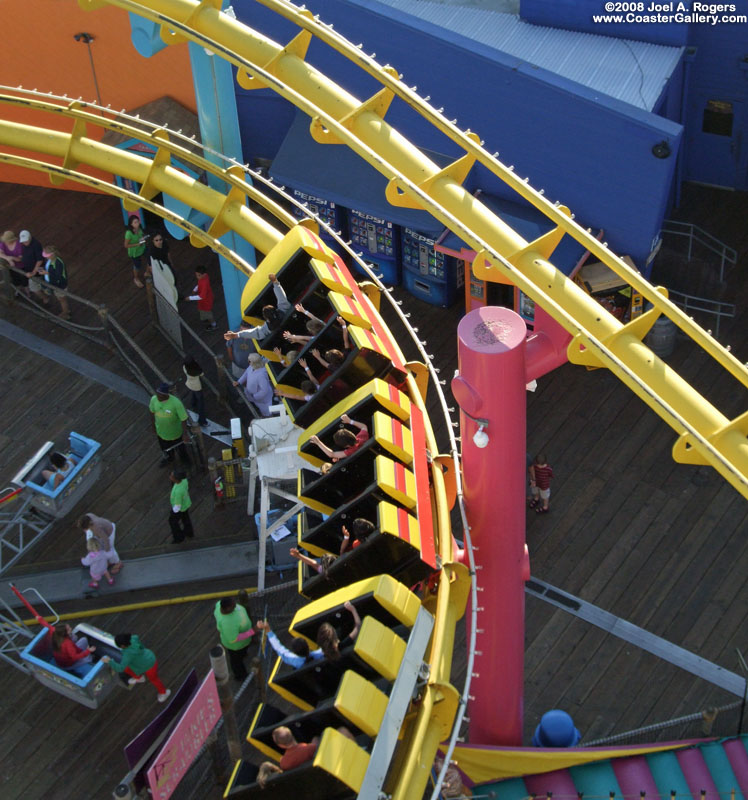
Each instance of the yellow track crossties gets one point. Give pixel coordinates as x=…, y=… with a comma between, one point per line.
x=390, y=388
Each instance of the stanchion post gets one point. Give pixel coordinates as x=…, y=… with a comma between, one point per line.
x=256, y=667
x=123, y=791
x=103, y=313
x=151, y=301
x=219, y=773
x=197, y=433
x=8, y=292
x=226, y=696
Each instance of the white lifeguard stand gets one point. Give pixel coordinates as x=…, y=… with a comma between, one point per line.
x=273, y=452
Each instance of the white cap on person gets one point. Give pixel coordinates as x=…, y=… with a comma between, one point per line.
x=24, y=237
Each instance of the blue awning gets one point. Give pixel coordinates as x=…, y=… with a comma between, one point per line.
x=530, y=224
x=336, y=173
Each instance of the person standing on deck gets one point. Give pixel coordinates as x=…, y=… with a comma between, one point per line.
x=104, y=531
x=239, y=350
x=235, y=632
x=169, y=417
x=179, y=518
x=541, y=474
x=32, y=261
x=56, y=277
x=203, y=293
x=258, y=388
x=135, y=242
x=138, y=662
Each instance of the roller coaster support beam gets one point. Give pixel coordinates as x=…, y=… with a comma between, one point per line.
x=490, y=390
x=219, y=130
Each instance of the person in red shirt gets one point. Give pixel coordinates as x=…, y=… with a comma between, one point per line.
x=361, y=529
x=203, y=293
x=69, y=653
x=346, y=441
x=294, y=753
x=541, y=473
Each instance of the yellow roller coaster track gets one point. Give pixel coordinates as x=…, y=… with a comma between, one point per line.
x=705, y=435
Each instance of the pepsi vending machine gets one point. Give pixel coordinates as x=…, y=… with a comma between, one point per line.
x=428, y=274
x=329, y=212
x=378, y=241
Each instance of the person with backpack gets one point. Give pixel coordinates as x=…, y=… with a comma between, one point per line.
x=55, y=277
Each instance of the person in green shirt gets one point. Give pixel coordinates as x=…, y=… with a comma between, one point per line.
x=138, y=662
x=235, y=631
x=169, y=417
x=135, y=239
x=179, y=518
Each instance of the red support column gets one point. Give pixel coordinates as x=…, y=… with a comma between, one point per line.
x=490, y=389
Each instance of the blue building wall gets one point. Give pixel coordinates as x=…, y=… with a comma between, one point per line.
x=715, y=75
x=718, y=72
x=587, y=150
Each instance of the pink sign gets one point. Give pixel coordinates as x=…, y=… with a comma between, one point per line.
x=185, y=741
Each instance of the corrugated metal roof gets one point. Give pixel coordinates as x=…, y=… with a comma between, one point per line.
x=634, y=72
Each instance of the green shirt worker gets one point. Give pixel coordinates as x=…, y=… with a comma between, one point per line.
x=235, y=631
x=179, y=517
x=169, y=417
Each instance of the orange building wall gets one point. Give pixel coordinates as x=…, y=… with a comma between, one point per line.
x=39, y=52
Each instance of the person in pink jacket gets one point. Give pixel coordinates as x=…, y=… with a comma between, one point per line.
x=97, y=561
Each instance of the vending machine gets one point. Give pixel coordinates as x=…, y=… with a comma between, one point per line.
x=428, y=273
x=378, y=240
x=329, y=212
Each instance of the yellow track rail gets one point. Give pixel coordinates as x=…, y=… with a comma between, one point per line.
x=706, y=435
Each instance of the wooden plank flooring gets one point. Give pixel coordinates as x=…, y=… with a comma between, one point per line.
x=660, y=544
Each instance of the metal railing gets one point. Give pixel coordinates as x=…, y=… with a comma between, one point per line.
x=97, y=324
x=712, y=722
x=698, y=236
x=218, y=377
x=703, y=306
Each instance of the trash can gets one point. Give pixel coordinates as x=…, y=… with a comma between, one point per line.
x=661, y=339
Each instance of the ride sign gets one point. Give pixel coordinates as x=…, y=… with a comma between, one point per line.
x=186, y=740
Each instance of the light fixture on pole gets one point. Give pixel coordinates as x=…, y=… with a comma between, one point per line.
x=87, y=38
x=480, y=437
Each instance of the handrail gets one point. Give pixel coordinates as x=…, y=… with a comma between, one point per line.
x=689, y=303
x=675, y=227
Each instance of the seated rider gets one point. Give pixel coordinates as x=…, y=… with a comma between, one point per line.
x=272, y=316
x=343, y=439
x=61, y=466
x=69, y=650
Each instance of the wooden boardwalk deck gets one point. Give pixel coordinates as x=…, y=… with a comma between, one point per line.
x=660, y=544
